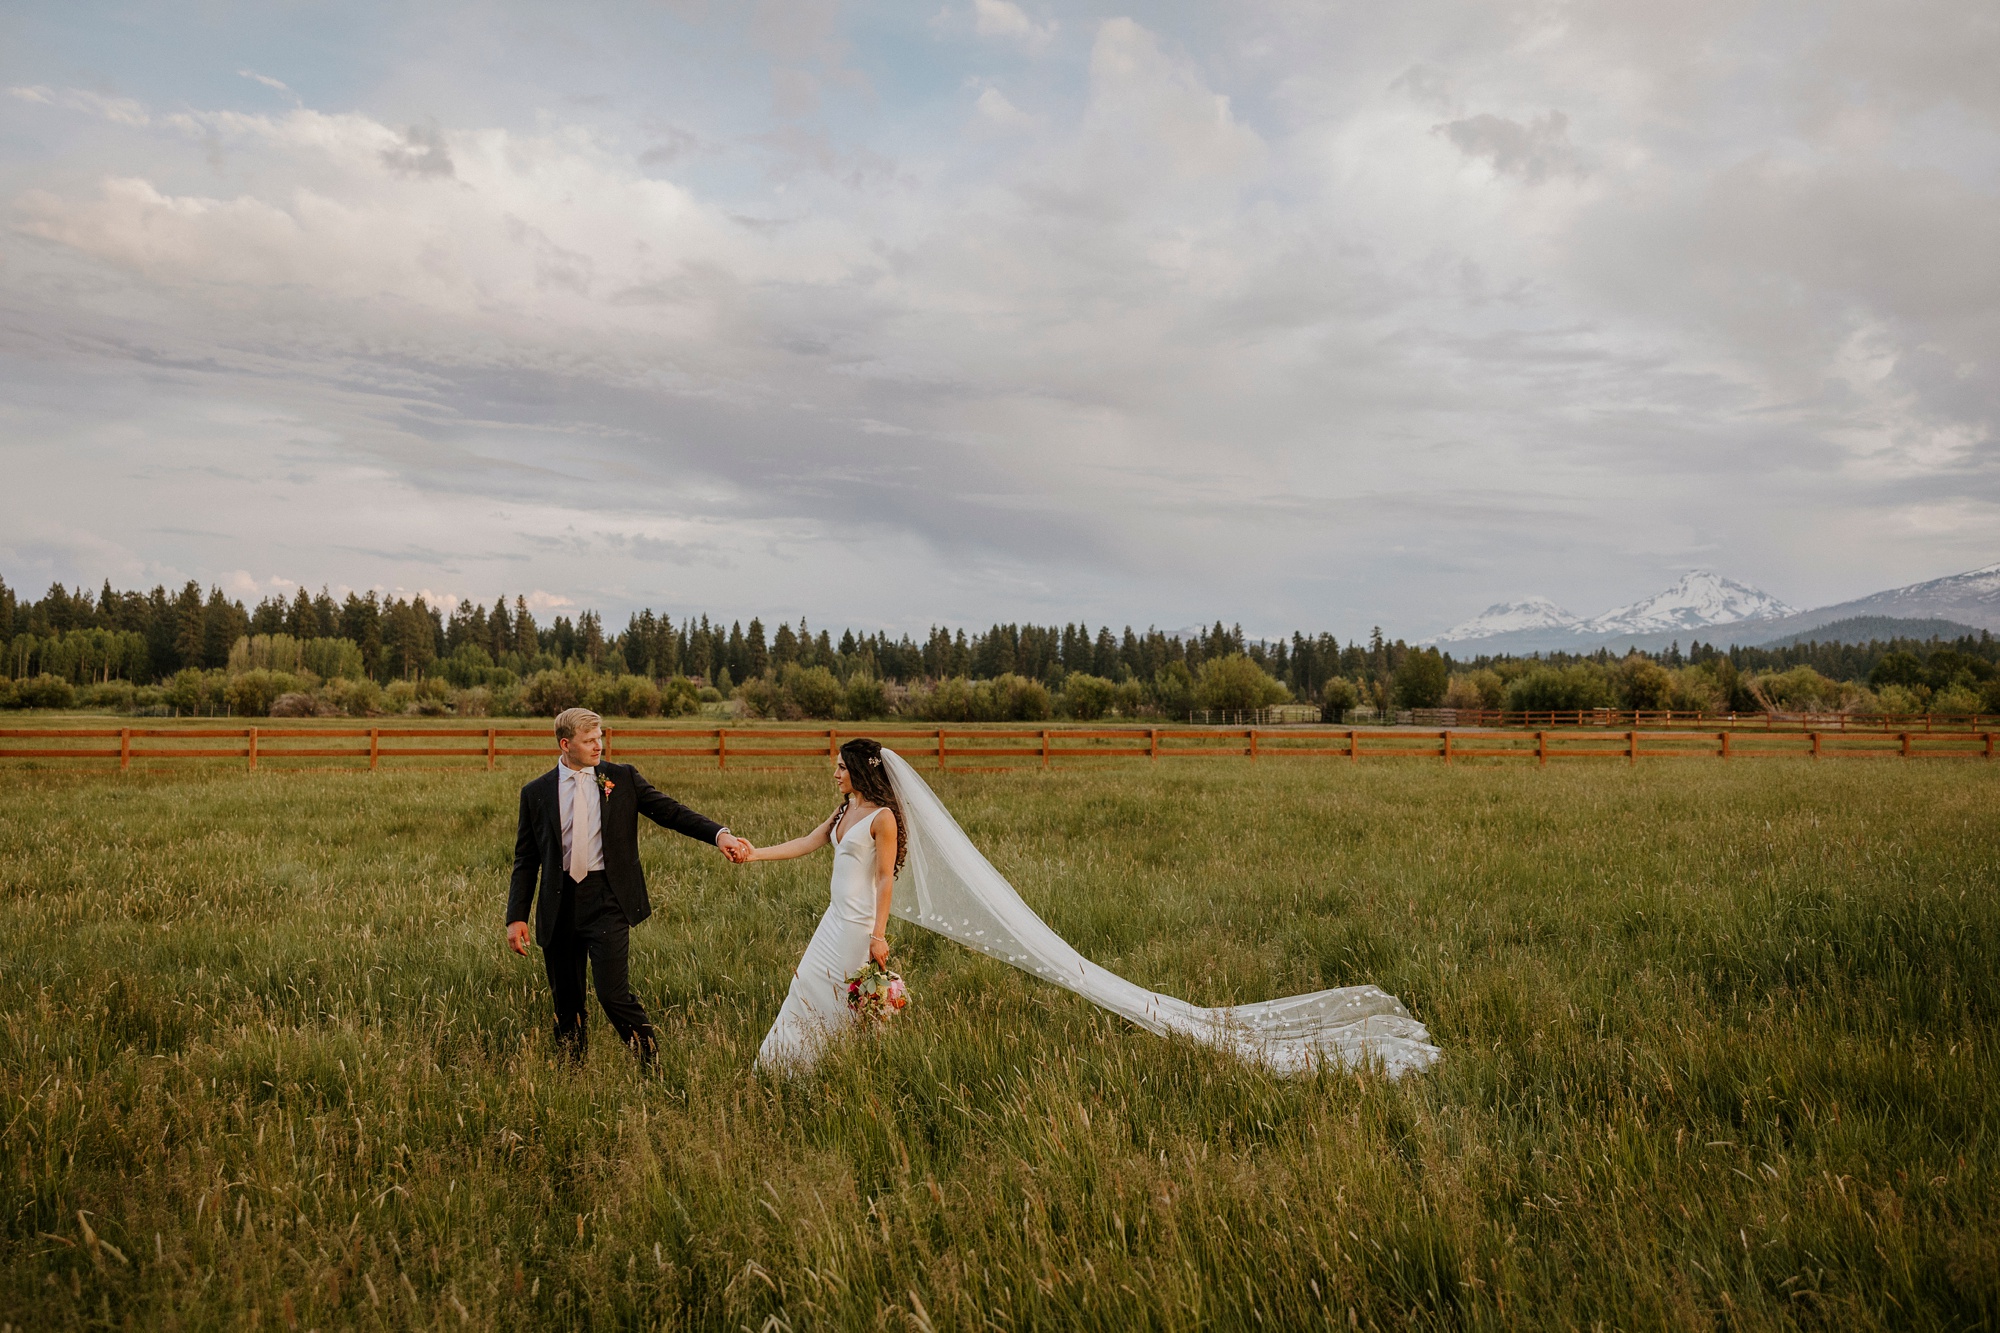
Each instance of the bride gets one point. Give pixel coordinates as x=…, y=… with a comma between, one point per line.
x=867, y=836
x=888, y=815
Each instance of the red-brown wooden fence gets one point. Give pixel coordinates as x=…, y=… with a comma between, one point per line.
x=285, y=747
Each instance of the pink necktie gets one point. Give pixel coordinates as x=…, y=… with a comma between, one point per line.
x=579, y=831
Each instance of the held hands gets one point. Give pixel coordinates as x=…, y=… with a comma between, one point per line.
x=738, y=850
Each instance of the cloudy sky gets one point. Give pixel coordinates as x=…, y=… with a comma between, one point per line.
x=1299, y=314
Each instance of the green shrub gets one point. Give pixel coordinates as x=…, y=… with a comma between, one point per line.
x=1086, y=697
x=1696, y=690
x=1018, y=699
x=1801, y=689
x=1235, y=682
x=108, y=696
x=1956, y=699
x=1641, y=683
x=1547, y=689
x=8, y=698
x=1336, y=698
x=811, y=691
x=44, y=691
x=251, y=693
x=624, y=696
x=547, y=693
x=1005, y=698
x=760, y=697
x=356, y=698
x=196, y=693
x=679, y=697
x=432, y=698
x=864, y=697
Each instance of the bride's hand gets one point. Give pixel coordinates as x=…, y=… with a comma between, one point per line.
x=878, y=950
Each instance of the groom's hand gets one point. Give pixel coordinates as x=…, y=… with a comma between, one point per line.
x=517, y=937
x=736, y=849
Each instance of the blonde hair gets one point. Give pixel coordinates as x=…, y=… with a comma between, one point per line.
x=573, y=720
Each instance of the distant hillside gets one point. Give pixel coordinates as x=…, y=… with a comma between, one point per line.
x=1870, y=629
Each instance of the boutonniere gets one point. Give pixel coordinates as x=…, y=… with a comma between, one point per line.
x=604, y=786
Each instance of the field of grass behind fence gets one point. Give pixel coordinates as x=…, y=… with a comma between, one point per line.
x=1720, y=1049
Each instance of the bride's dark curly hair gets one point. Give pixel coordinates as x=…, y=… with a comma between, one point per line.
x=870, y=780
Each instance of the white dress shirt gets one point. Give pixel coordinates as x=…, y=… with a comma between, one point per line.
x=593, y=833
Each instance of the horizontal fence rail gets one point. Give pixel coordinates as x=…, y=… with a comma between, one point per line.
x=1665, y=719
x=967, y=748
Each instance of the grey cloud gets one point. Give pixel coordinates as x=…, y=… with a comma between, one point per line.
x=1534, y=151
x=423, y=152
x=1193, y=344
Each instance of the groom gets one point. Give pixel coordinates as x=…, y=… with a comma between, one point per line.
x=579, y=834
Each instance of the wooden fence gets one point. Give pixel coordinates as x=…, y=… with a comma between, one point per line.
x=1663, y=719
x=962, y=748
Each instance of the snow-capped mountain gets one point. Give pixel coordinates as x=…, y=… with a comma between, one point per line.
x=1699, y=600
x=1726, y=612
x=1530, y=613
x=1971, y=598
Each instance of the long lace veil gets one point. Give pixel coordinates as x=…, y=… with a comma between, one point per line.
x=952, y=889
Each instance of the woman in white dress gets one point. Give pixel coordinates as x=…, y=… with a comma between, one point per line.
x=868, y=840
x=890, y=813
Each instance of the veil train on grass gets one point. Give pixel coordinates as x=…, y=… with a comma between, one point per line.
x=954, y=890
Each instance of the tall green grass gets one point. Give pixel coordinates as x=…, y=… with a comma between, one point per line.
x=1720, y=1049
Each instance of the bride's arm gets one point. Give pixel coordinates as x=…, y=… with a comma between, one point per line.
x=806, y=846
x=884, y=832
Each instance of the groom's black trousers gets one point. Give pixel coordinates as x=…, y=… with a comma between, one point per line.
x=591, y=930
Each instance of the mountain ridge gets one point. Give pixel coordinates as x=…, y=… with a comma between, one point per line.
x=1971, y=599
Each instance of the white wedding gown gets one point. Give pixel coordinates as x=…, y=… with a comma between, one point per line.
x=815, y=1007
x=950, y=888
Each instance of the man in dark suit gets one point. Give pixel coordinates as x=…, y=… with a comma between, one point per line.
x=579, y=836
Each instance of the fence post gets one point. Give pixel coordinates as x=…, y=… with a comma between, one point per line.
x=1153, y=744
x=1724, y=752
x=1632, y=746
x=1445, y=736
x=125, y=748
x=1906, y=744
x=1253, y=742
x=1542, y=748
x=722, y=747
x=374, y=747
x=833, y=742
x=940, y=749
x=1815, y=741
x=1989, y=745
x=607, y=742
x=492, y=740
x=252, y=750
x=1045, y=747
x=1353, y=746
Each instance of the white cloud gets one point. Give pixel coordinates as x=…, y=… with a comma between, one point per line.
x=994, y=109
x=1001, y=18
x=1286, y=316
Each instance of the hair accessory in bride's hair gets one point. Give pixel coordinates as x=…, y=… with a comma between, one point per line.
x=874, y=761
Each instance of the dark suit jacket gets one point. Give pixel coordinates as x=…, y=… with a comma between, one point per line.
x=538, y=843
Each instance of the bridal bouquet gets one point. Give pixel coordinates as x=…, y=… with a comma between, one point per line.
x=875, y=993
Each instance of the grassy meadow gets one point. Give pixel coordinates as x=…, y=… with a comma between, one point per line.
x=1720, y=1047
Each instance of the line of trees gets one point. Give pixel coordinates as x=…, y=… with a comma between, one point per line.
x=190, y=652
